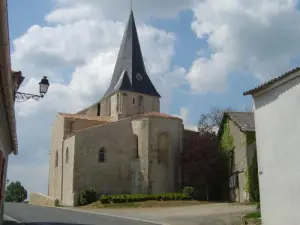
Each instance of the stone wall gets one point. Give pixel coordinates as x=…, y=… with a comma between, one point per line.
x=114, y=174
x=42, y=200
x=239, y=194
x=56, y=153
x=165, y=174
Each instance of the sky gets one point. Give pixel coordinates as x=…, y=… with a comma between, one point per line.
x=199, y=54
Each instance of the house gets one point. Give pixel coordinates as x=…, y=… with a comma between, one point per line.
x=237, y=137
x=120, y=144
x=277, y=124
x=9, y=82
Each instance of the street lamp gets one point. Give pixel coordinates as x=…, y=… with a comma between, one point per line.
x=22, y=97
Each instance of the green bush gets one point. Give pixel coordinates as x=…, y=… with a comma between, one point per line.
x=87, y=196
x=143, y=197
x=104, y=199
x=188, y=191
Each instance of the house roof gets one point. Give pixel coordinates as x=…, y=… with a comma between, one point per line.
x=130, y=72
x=271, y=82
x=244, y=120
x=84, y=117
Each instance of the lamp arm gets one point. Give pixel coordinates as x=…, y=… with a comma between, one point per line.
x=22, y=97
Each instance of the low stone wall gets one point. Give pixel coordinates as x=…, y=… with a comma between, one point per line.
x=42, y=200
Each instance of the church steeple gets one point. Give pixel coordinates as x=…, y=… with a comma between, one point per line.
x=129, y=72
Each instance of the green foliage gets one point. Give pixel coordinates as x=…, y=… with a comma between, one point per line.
x=226, y=139
x=87, y=196
x=15, y=192
x=250, y=136
x=104, y=199
x=142, y=197
x=188, y=191
x=253, y=215
x=253, y=183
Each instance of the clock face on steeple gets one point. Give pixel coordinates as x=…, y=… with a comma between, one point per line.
x=139, y=76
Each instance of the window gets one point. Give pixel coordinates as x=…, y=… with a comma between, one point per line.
x=67, y=156
x=119, y=103
x=98, y=109
x=56, y=159
x=141, y=100
x=101, y=156
x=163, y=147
x=233, y=180
x=136, y=146
x=133, y=101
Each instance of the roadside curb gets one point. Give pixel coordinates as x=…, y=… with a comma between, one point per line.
x=116, y=216
x=8, y=218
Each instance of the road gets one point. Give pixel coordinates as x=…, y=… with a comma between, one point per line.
x=35, y=215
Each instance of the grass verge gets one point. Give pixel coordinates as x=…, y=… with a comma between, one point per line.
x=253, y=215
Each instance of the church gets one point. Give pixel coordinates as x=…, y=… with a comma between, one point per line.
x=122, y=144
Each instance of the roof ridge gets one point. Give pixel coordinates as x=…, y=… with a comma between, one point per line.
x=270, y=82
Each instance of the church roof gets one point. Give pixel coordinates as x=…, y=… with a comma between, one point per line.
x=130, y=72
x=84, y=117
x=158, y=114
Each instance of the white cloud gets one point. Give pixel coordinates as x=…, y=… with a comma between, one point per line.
x=259, y=37
x=77, y=52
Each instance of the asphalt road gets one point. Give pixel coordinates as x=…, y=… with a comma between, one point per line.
x=35, y=215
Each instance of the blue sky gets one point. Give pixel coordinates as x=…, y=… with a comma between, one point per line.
x=75, y=45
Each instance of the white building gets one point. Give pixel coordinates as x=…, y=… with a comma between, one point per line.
x=277, y=122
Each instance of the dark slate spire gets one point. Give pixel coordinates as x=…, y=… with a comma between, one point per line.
x=130, y=73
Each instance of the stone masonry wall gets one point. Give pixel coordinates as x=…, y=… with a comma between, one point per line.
x=114, y=175
x=55, y=175
x=165, y=177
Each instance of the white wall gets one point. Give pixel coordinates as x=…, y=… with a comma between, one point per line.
x=277, y=121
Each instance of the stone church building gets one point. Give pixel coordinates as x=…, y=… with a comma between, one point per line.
x=122, y=143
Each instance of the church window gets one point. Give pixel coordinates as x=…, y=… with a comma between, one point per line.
x=163, y=147
x=56, y=159
x=101, y=156
x=119, y=103
x=67, y=156
x=98, y=109
x=136, y=146
x=133, y=101
x=141, y=100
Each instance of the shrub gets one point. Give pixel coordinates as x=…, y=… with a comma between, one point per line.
x=104, y=199
x=188, y=191
x=87, y=196
x=143, y=197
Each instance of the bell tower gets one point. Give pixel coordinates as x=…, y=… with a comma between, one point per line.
x=131, y=91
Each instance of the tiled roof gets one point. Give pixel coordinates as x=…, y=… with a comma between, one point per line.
x=158, y=114
x=244, y=120
x=270, y=82
x=84, y=117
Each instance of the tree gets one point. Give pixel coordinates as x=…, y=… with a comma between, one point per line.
x=15, y=192
x=202, y=159
x=212, y=119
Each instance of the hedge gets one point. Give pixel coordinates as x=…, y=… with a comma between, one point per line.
x=105, y=199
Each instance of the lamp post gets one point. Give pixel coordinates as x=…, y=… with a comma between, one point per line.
x=22, y=97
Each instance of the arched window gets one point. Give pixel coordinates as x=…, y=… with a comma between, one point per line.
x=163, y=147
x=102, y=155
x=67, y=156
x=56, y=159
x=136, y=146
